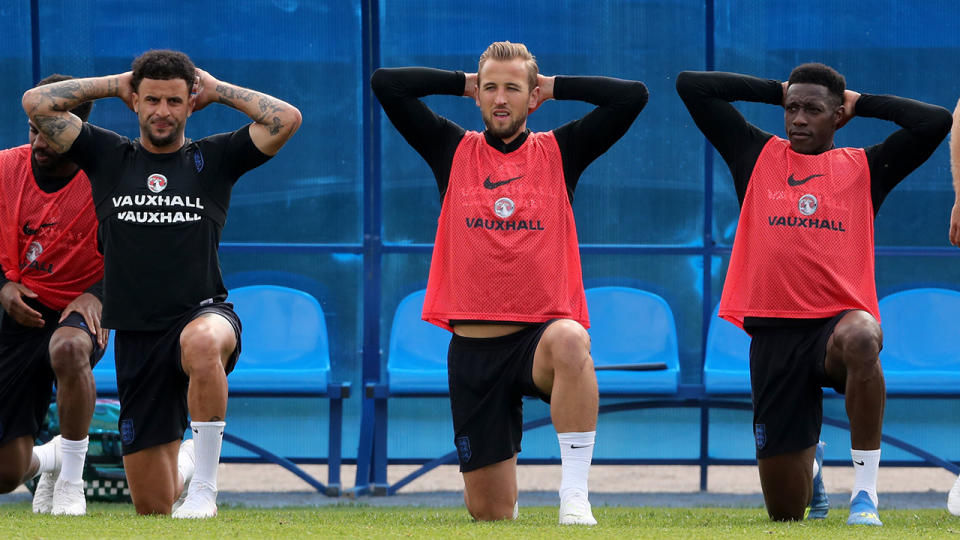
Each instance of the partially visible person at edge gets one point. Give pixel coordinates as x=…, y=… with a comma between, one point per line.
x=801, y=275
x=162, y=201
x=50, y=329
x=506, y=276
x=953, y=499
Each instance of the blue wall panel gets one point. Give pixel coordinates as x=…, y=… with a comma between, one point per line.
x=306, y=53
x=644, y=207
x=16, y=70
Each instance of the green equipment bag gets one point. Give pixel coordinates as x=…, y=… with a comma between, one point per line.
x=103, y=476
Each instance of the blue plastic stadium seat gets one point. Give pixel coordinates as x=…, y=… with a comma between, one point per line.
x=920, y=353
x=105, y=372
x=631, y=326
x=417, y=358
x=285, y=349
x=726, y=368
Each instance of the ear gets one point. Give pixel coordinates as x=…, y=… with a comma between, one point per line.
x=534, y=100
x=135, y=100
x=191, y=104
x=839, y=117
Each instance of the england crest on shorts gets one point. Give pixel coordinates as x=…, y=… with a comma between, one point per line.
x=126, y=431
x=760, y=433
x=463, y=449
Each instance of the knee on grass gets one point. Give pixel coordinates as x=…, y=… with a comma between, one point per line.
x=491, y=510
x=10, y=480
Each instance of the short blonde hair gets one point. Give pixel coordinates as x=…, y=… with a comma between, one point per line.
x=505, y=51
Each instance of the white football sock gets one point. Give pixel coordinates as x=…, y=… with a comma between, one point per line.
x=186, y=463
x=47, y=456
x=207, y=437
x=72, y=455
x=576, y=453
x=866, y=464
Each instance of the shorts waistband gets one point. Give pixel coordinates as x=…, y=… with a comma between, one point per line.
x=498, y=341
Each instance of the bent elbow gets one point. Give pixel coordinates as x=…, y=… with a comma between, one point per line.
x=29, y=101
x=296, y=118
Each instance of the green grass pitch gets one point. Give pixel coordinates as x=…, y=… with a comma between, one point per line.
x=359, y=521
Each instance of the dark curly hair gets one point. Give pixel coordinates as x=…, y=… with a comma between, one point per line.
x=163, y=65
x=824, y=75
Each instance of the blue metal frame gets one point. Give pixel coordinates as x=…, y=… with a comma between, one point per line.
x=372, y=456
x=336, y=393
x=372, y=246
x=35, y=39
x=688, y=396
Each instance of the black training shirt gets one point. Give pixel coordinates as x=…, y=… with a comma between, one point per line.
x=161, y=217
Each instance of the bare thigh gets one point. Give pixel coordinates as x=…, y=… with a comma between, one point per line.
x=15, y=456
x=787, y=483
x=152, y=476
x=490, y=492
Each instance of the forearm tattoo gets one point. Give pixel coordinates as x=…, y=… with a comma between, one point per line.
x=267, y=106
x=228, y=94
x=52, y=127
x=68, y=94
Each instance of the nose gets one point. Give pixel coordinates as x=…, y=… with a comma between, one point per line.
x=40, y=143
x=501, y=97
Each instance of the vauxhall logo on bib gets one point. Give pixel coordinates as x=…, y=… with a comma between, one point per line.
x=156, y=182
x=504, y=207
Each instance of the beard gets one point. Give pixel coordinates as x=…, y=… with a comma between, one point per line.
x=163, y=141
x=507, y=131
x=52, y=165
x=156, y=140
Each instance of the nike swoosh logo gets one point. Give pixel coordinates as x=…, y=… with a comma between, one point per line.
x=794, y=182
x=493, y=185
x=28, y=231
x=579, y=446
x=860, y=463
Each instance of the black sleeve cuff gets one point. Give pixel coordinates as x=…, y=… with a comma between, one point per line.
x=97, y=290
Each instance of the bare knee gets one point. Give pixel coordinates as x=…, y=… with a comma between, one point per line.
x=787, y=483
x=786, y=514
x=487, y=509
x=10, y=480
x=70, y=353
x=201, y=348
x=146, y=506
x=860, y=343
x=569, y=347
x=789, y=504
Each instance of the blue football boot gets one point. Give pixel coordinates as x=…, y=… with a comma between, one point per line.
x=863, y=511
x=819, y=503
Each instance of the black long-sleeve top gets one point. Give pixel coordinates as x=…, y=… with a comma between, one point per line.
x=708, y=96
x=436, y=138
